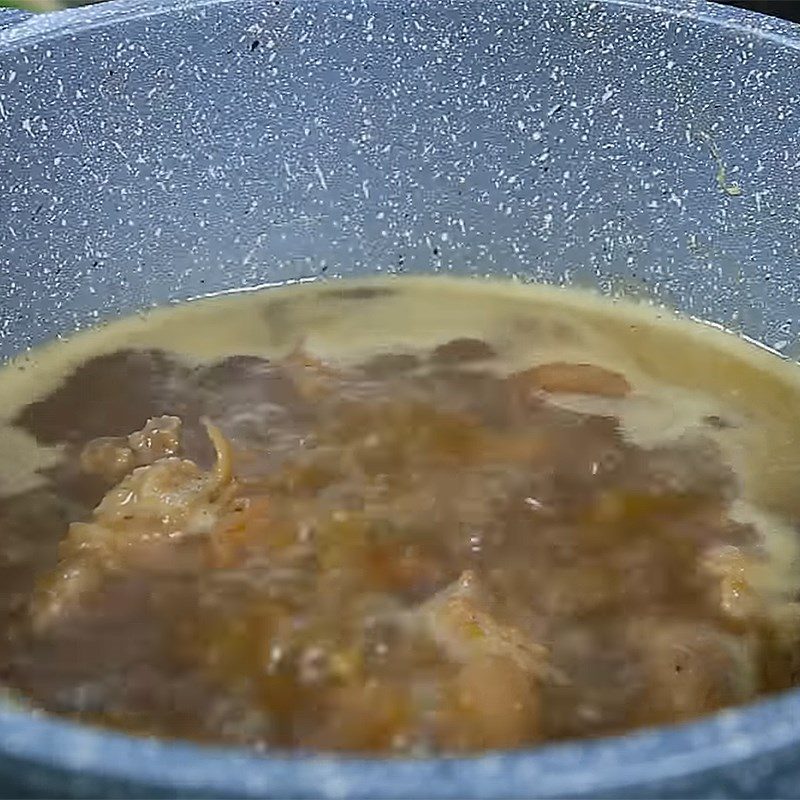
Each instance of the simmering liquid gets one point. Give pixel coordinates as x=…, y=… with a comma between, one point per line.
x=411, y=516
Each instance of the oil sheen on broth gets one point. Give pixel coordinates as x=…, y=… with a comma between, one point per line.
x=411, y=516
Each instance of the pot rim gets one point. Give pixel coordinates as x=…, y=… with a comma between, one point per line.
x=602, y=766
x=26, y=29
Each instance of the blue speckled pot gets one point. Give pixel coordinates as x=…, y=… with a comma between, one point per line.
x=154, y=150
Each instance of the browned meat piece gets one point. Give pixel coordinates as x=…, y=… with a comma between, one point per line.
x=109, y=457
x=746, y=600
x=494, y=703
x=170, y=497
x=160, y=437
x=368, y=716
x=494, y=698
x=459, y=351
x=691, y=668
x=458, y=619
x=312, y=377
x=113, y=457
x=563, y=378
x=737, y=598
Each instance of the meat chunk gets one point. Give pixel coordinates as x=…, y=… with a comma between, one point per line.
x=152, y=504
x=459, y=351
x=458, y=620
x=108, y=457
x=691, y=668
x=160, y=438
x=493, y=703
x=163, y=494
x=494, y=698
x=312, y=377
x=561, y=377
x=112, y=457
x=368, y=716
x=737, y=598
x=750, y=603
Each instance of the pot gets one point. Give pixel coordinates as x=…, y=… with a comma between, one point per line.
x=157, y=150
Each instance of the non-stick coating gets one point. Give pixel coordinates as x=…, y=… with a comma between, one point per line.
x=153, y=151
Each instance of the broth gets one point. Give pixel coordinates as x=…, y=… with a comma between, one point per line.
x=410, y=515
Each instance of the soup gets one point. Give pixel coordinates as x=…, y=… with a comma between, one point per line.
x=406, y=516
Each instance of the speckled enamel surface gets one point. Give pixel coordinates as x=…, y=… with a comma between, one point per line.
x=152, y=151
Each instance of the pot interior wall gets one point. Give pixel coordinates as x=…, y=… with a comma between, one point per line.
x=150, y=156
